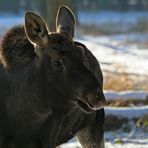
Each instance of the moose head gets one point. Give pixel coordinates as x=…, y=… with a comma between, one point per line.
x=62, y=58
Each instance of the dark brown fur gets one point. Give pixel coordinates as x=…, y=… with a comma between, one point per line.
x=16, y=50
x=38, y=102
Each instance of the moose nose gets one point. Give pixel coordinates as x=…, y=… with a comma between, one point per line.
x=100, y=101
x=96, y=100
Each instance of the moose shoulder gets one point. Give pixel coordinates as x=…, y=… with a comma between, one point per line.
x=51, y=87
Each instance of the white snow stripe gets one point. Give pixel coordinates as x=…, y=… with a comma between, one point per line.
x=127, y=112
x=129, y=94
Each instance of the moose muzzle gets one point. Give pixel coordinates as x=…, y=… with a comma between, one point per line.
x=95, y=101
x=92, y=101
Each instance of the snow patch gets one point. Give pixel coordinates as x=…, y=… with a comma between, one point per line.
x=129, y=94
x=114, y=58
x=127, y=112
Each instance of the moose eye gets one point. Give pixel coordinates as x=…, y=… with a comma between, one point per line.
x=59, y=64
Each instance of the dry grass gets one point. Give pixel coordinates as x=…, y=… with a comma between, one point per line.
x=118, y=82
x=124, y=81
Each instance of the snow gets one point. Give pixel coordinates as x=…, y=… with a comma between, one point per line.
x=128, y=145
x=71, y=145
x=118, y=52
x=129, y=94
x=115, y=58
x=109, y=145
x=127, y=112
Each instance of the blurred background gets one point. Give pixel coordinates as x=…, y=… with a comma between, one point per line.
x=116, y=32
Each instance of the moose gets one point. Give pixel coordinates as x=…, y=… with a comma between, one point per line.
x=50, y=86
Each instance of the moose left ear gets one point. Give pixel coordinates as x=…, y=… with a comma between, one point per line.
x=65, y=22
x=36, y=29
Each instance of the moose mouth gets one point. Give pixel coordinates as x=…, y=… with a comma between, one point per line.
x=85, y=106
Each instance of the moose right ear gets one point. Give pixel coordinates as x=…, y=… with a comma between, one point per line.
x=36, y=29
x=65, y=22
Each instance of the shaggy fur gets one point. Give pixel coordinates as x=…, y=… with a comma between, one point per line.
x=16, y=50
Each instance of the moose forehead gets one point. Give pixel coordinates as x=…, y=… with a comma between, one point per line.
x=59, y=42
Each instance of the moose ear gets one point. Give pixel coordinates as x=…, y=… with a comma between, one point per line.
x=65, y=22
x=36, y=29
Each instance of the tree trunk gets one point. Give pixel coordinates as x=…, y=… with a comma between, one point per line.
x=49, y=10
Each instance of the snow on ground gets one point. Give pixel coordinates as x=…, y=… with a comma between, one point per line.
x=115, y=58
x=108, y=145
x=129, y=94
x=128, y=145
x=119, y=52
x=127, y=112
